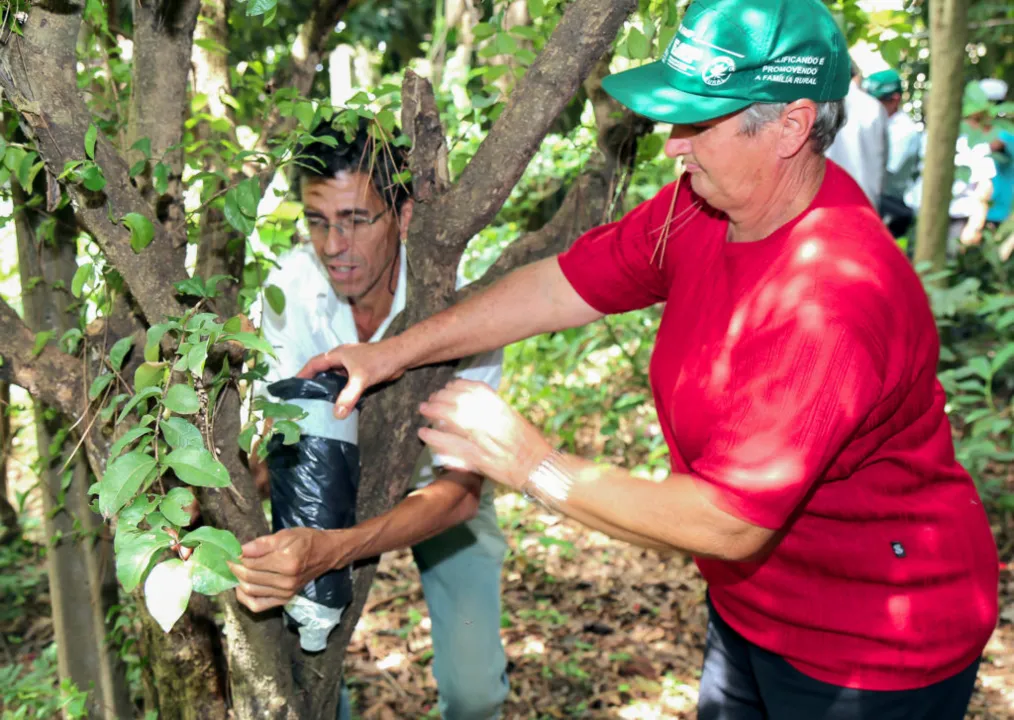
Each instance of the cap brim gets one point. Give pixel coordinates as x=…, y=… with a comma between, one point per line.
x=645, y=91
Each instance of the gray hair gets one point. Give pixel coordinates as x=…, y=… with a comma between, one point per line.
x=830, y=119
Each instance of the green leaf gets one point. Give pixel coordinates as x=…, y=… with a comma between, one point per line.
x=222, y=539
x=128, y=437
x=91, y=135
x=122, y=479
x=142, y=232
x=196, y=358
x=290, y=431
x=99, y=384
x=285, y=411
x=235, y=216
x=233, y=325
x=82, y=275
x=638, y=45
x=167, y=592
x=70, y=340
x=143, y=146
x=483, y=30
x=179, y=433
x=174, y=506
x=134, y=550
x=119, y=352
x=276, y=298
x=259, y=7
x=151, y=346
x=304, y=113
x=135, y=512
x=157, y=521
x=980, y=366
x=149, y=374
x=251, y=342
x=536, y=9
x=140, y=397
x=197, y=466
x=209, y=571
x=40, y=341
x=92, y=177
x=1002, y=357
x=211, y=46
x=160, y=178
x=248, y=197
x=182, y=400
x=110, y=408
x=192, y=286
x=245, y=438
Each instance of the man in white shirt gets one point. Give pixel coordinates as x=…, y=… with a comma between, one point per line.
x=345, y=286
x=860, y=148
x=903, y=157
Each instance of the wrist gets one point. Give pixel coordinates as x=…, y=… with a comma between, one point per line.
x=335, y=549
x=550, y=482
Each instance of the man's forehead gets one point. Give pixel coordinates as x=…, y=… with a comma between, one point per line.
x=349, y=190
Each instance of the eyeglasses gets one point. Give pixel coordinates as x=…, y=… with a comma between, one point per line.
x=346, y=226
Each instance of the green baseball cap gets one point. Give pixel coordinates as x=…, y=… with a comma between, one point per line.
x=883, y=83
x=728, y=54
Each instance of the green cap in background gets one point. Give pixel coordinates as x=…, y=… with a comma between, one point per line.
x=728, y=54
x=883, y=83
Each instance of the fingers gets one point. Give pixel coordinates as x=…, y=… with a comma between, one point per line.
x=260, y=547
x=258, y=583
x=257, y=604
x=316, y=364
x=349, y=395
x=451, y=445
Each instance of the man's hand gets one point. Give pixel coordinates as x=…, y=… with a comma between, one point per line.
x=365, y=364
x=275, y=567
x=474, y=424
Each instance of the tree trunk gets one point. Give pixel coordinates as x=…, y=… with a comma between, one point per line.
x=81, y=577
x=948, y=34
x=8, y=516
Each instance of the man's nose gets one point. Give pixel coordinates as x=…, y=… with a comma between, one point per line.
x=337, y=242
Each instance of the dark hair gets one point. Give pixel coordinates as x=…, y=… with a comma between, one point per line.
x=318, y=160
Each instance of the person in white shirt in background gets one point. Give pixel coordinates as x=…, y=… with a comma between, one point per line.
x=903, y=156
x=975, y=170
x=861, y=146
x=346, y=285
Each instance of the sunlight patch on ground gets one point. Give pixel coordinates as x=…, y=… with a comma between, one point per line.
x=392, y=661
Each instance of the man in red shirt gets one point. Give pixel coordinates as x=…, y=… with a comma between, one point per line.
x=851, y=568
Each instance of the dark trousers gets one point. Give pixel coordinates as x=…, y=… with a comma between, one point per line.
x=896, y=215
x=743, y=682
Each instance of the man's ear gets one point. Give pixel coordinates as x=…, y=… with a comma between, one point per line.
x=405, y=219
x=797, y=122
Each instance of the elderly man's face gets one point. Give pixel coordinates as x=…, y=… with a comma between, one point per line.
x=725, y=166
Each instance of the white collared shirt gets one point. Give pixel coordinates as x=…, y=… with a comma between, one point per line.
x=316, y=319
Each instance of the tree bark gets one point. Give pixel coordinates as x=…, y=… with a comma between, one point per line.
x=8, y=516
x=54, y=115
x=81, y=578
x=948, y=35
x=163, y=36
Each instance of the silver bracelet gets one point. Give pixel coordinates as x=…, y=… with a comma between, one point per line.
x=548, y=483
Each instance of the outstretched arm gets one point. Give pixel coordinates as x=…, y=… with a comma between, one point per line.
x=532, y=300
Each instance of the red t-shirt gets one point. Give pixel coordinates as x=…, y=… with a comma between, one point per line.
x=797, y=376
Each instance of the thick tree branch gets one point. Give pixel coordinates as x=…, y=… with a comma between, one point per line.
x=52, y=377
x=163, y=37
x=55, y=116
x=583, y=35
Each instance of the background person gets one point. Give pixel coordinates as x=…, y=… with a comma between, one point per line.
x=860, y=147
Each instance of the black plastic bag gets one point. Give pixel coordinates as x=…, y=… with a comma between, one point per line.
x=314, y=482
